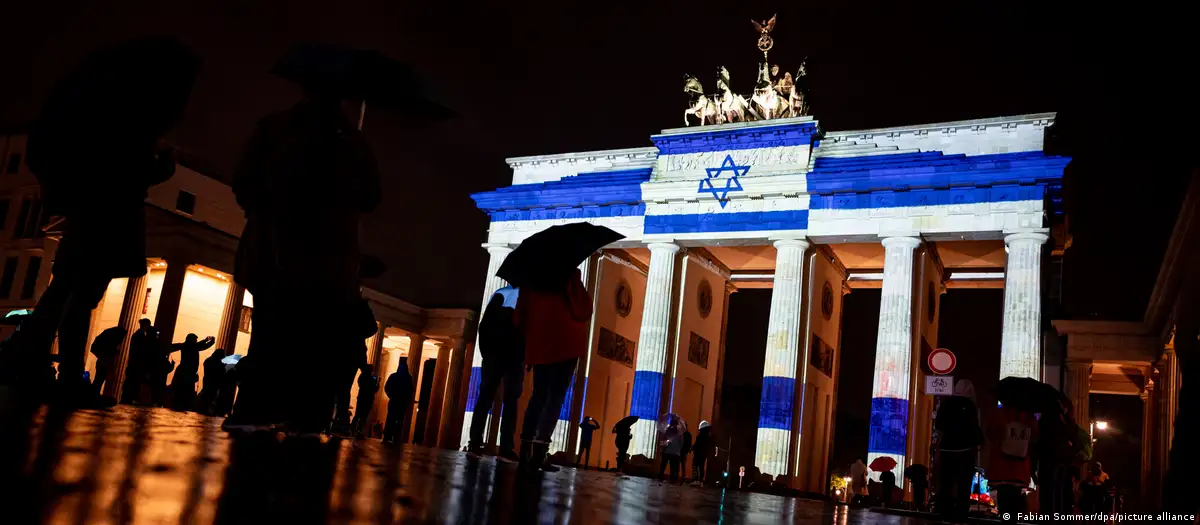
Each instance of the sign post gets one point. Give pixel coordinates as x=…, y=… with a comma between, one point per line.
x=941, y=361
x=939, y=385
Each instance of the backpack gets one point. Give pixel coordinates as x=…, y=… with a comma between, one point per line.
x=499, y=338
x=1015, y=444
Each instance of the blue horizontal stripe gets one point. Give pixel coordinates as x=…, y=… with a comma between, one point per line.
x=775, y=407
x=585, y=212
x=473, y=389
x=736, y=139
x=647, y=394
x=889, y=426
x=896, y=199
x=904, y=171
x=587, y=189
x=728, y=222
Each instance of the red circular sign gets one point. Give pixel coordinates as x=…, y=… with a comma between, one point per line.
x=942, y=361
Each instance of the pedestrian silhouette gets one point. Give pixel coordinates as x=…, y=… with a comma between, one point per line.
x=214, y=376
x=503, y=349
x=183, y=384
x=368, y=386
x=106, y=348
x=399, y=390
x=293, y=254
x=116, y=107
x=141, y=363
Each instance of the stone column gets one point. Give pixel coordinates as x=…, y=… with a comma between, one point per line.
x=378, y=364
x=168, y=302
x=652, y=349
x=1077, y=387
x=415, y=343
x=893, y=355
x=437, y=396
x=131, y=314
x=784, y=340
x=456, y=394
x=231, y=316
x=1020, y=346
x=1167, y=387
x=497, y=253
x=1148, y=491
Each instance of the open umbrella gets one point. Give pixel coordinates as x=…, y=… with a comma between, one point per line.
x=359, y=74
x=135, y=91
x=15, y=317
x=547, y=257
x=1030, y=395
x=624, y=424
x=882, y=464
x=231, y=361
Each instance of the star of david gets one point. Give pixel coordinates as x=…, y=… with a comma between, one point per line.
x=732, y=183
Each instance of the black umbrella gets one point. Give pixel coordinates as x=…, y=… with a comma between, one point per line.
x=358, y=74
x=134, y=91
x=1029, y=395
x=547, y=257
x=623, y=426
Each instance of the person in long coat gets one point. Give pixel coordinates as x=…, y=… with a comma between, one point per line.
x=96, y=150
x=399, y=391
x=555, y=327
x=306, y=178
x=214, y=376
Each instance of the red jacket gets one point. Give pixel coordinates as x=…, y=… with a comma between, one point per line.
x=555, y=325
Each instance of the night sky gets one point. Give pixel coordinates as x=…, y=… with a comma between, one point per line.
x=552, y=77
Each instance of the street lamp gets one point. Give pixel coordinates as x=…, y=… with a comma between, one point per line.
x=1096, y=425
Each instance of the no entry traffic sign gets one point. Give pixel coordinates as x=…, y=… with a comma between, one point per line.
x=942, y=361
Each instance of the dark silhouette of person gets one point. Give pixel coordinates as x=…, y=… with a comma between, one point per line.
x=587, y=427
x=887, y=487
x=143, y=347
x=343, y=383
x=555, y=326
x=368, y=386
x=399, y=391
x=701, y=450
x=214, y=376
x=961, y=436
x=672, y=452
x=229, y=386
x=293, y=254
x=503, y=349
x=183, y=383
x=107, y=348
x=116, y=107
x=624, y=436
x=918, y=475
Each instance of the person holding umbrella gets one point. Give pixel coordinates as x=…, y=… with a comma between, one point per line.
x=503, y=350
x=553, y=315
x=624, y=431
x=117, y=106
x=105, y=347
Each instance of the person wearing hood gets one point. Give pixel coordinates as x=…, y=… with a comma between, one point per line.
x=555, y=327
x=858, y=478
x=587, y=428
x=503, y=349
x=399, y=390
x=702, y=448
x=958, y=422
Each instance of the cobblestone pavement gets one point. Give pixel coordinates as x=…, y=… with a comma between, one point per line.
x=135, y=465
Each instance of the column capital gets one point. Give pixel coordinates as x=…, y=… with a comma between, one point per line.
x=791, y=243
x=901, y=242
x=498, y=247
x=664, y=247
x=1025, y=237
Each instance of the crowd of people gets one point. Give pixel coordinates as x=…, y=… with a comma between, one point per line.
x=1020, y=446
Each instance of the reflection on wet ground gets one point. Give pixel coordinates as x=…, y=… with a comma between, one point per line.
x=137, y=465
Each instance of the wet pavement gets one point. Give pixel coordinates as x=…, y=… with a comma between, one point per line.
x=136, y=465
